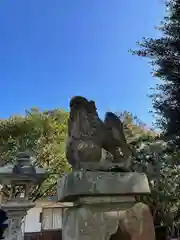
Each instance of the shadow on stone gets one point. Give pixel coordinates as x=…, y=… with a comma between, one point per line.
x=120, y=235
x=161, y=232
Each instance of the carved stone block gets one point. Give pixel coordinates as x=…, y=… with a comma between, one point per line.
x=122, y=220
x=87, y=183
x=94, y=219
x=16, y=211
x=99, y=201
x=135, y=224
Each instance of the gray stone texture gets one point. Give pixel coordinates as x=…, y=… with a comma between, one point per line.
x=95, y=220
x=87, y=183
x=89, y=136
x=16, y=211
x=135, y=223
x=100, y=201
x=125, y=220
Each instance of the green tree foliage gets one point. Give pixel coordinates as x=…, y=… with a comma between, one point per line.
x=152, y=156
x=164, y=53
x=43, y=134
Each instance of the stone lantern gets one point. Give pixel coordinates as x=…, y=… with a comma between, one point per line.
x=20, y=177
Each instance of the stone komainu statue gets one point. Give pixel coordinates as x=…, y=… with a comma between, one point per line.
x=92, y=140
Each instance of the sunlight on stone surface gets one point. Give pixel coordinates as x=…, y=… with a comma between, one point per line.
x=103, y=195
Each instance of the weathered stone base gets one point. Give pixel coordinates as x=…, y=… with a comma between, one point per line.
x=101, y=220
x=16, y=211
x=87, y=183
x=94, y=218
x=99, y=201
x=135, y=223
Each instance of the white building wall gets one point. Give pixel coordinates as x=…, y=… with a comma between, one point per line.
x=51, y=218
x=32, y=220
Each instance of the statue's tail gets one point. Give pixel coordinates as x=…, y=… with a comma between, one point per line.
x=115, y=126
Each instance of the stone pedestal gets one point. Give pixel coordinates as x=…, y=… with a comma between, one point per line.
x=16, y=211
x=99, y=199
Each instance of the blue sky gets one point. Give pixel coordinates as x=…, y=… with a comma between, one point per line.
x=53, y=50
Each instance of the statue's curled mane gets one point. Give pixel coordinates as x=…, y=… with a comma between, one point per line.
x=82, y=115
